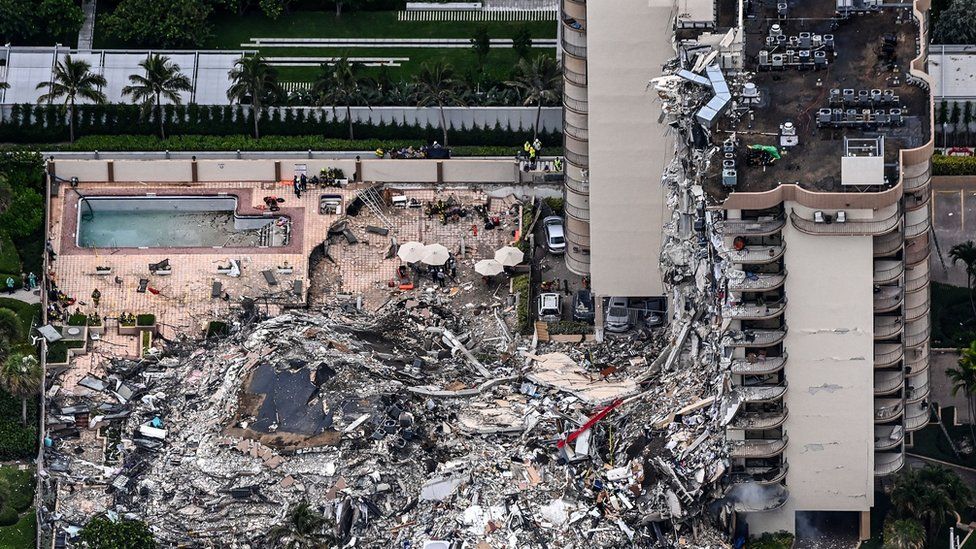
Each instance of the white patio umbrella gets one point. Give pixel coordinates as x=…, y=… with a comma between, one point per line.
x=488, y=267
x=509, y=256
x=435, y=254
x=411, y=252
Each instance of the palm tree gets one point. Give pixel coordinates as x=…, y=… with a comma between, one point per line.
x=21, y=376
x=162, y=79
x=73, y=79
x=256, y=82
x=903, y=534
x=541, y=80
x=966, y=252
x=963, y=381
x=303, y=527
x=342, y=84
x=435, y=84
x=929, y=495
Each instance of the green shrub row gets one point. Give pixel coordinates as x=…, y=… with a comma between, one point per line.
x=17, y=441
x=953, y=165
x=520, y=285
x=272, y=143
x=47, y=124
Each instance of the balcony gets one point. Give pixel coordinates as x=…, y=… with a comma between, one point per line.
x=574, y=77
x=756, y=255
x=576, y=159
x=888, y=381
x=580, y=134
x=578, y=263
x=916, y=177
x=888, y=244
x=760, y=421
x=579, y=106
x=917, y=332
x=917, y=250
x=918, y=386
x=574, y=38
x=761, y=393
x=760, y=475
x=847, y=228
x=918, y=199
x=916, y=223
x=577, y=205
x=917, y=277
x=750, y=227
x=758, y=448
x=887, y=437
x=887, y=355
x=887, y=327
x=887, y=270
x=758, y=282
x=887, y=299
x=751, y=310
x=758, y=366
x=916, y=416
x=917, y=359
x=887, y=409
x=888, y=463
x=576, y=179
x=916, y=305
x=754, y=338
x=756, y=498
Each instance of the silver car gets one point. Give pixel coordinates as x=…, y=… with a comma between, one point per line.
x=555, y=237
x=617, y=318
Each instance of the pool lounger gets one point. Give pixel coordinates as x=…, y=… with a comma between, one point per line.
x=296, y=288
x=216, y=289
x=270, y=278
x=143, y=284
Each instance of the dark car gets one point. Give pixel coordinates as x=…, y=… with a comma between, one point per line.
x=583, y=309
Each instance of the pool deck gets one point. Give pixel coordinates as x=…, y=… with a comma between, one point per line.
x=183, y=303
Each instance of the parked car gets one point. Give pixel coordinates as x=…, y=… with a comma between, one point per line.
x=550, y=307
x=555, y=237
x=618, y=315
x=583, y=309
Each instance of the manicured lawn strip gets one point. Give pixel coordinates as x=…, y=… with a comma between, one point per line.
x=20, y=535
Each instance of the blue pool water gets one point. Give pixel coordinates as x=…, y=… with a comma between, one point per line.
x=168, y=222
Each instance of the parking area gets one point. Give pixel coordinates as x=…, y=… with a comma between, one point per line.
x=954, y=221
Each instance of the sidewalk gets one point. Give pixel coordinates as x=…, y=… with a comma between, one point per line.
x=27, y=296
x=86, y=36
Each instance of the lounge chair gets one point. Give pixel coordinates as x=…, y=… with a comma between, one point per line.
x=270, y=278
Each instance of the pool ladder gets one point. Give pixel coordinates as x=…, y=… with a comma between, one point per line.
x=264, y=235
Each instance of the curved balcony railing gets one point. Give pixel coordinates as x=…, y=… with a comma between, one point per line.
x=756, y=255
x=917, y=359
x=916, y=417
x=918, y=199
x=581, y=212
x=917, y=386
x=887, y=437
x=750, y=227
x=578, y=106
x=580, y=134
x=760, y=421
x=575, y=180
x=847, y=228
x=756, y=367
x=888, y=298
x=888, y=244
x=577, y=159
x=750, y=497
x=760, y=475
x=917, y=277
x=762, y=393
x=887, y=355
x=758, y=282
x=580, y=2
x=751, y=310
x=887, y=409
x=576, y=77
x=917, y=250
x=917, y=333
x=887, y=270
x=888, y=327
x=579, y=264
x=913, y=181
x=916, y=229
x=574, y=39
x=759, y=448
x=916, y=305
x=888, y=463
x=754, y=338
x=888, y=381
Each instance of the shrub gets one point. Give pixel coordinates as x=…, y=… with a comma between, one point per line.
x=57, y=352
x=11, y=327
x=102, y=533
x=146, y=319
x=8, y=516
x=779, y=540
x=953, y=165
x=78, y=319
x=569, y=327
x=9, y=259
x=17, y=441
x=24, y=214
x=555, y=204
x=520, y=285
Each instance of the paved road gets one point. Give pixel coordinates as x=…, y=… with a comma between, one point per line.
x=954, y=221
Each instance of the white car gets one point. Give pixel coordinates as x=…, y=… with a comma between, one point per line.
x=555, y=237
x=617, y=318
x=550, y=307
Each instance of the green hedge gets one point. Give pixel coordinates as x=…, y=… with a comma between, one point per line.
x=521, y=284
x=46, y=124
x=9, y=259
x=272, y=143
x=953, y=165
x=17, y=441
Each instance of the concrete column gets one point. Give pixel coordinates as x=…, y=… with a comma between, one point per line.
x=864, y=532
x=111, y=171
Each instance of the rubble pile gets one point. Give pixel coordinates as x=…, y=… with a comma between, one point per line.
x=411, y=424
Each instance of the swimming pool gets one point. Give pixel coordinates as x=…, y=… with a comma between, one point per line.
x=173, y=222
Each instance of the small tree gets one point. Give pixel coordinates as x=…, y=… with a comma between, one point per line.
x=254, y=81
x=25, y=214
x=966, y=253
x=942, y=117
x=929, y=495
x=954, y=116
x=963, y=379
x=11, y=329
x=73, y=79
x=967, y=119
x=903, y=534
x=303, y=527
x=21, y=376
x=342, y=84
x=435, y=84
x=481, y=44
x=102, y=533
x=540, y=80
x=162, y=79
x=522, y=42
x=956, y=24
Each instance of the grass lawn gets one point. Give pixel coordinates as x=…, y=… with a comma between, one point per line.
x=26, y=311
x=953, y=324
x=232, y=31
x=20, y=535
